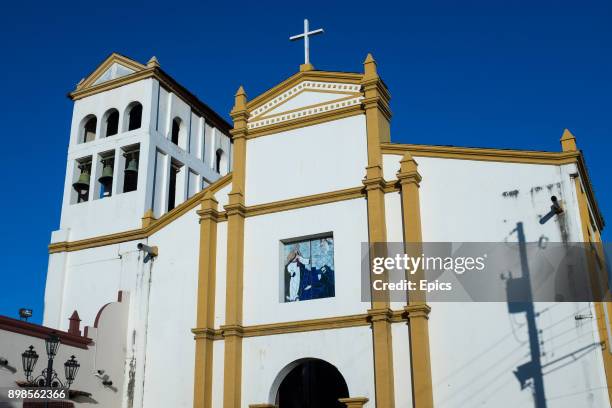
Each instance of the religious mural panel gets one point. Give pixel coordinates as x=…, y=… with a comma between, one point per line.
x=309, y=269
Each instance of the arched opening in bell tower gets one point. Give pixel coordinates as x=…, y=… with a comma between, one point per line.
x=310, y=383
x=176, y=131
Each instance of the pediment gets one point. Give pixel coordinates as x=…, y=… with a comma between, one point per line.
x=113, y=67
x=303, y=99
x=115, y=71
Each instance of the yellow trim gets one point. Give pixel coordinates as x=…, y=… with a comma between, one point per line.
x=321, y=76
x=106, y=64
x=303, y=108
x=568, y=141
x=417, y=308
x=148, y=218
x=153, y=227
x=315, y=119
x=232, y=371
x=483, y=154
x=262, y=115
x=299, y=326
x=587, y=237
x=206, y=301
x=568, y=156
x=305, y=201
x=306, y=67
x=354, y=402
x=375, y=104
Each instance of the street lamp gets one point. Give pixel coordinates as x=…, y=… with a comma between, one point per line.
x=70, y=369
x=48, y=377
x=29, y=359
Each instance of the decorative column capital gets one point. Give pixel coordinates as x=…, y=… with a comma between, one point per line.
x=235, y=209
x=377, y=315
x=208, y=209
x=409, y=173
x=204, y=333
x=377, y=183
x=230, y=330
x=417, y=310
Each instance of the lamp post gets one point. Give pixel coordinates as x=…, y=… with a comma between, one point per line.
x=48, y=377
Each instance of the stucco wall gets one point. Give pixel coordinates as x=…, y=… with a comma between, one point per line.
x=264, y=358
x=320, y=158
x=263, y=284
x=476, y=346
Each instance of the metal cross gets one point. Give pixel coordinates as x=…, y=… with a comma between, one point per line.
x=305, y=36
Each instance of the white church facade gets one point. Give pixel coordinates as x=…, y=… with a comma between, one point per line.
x=247, y=292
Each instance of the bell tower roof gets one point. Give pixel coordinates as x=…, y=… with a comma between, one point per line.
x=118, y=70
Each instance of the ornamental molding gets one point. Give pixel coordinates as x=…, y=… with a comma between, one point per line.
x=344, y=95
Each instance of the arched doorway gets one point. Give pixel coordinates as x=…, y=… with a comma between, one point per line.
x=312, y=383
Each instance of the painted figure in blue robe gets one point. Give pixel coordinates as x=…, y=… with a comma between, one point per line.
x=322, y=282
x=309, y=276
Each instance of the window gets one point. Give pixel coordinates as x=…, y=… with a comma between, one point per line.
x=111, y=123
x=107, y=162
x=176, y=130
x=88, y=131
x=81, y=180
x=134, y=116
x=218, y=157
x=174, y=170
x=130, y=171
x=308, y=269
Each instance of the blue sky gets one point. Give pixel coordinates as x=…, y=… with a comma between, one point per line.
x=507, y=74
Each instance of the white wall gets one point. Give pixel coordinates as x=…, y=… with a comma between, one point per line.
x=170, y=351
x=263, y=283
x=163, y=312
x=349, y=350
x=476, y=346
x=92, y=278
x=123, y=211
x=221, y=274
x=311, y=160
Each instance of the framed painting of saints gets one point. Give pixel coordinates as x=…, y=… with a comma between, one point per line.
x=308, y=269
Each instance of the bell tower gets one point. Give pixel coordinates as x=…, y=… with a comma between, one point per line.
x=139, y=142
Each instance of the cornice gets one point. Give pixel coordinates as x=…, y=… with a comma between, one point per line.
x=298, y=326
x=305, y=201
x=484, y=154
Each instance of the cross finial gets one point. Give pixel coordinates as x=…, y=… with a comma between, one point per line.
x=305, y=35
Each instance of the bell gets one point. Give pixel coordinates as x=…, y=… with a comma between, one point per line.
x=82, y=184
x=106, y=179
x=132, y=167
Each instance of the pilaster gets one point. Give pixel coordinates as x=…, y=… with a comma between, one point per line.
x=417, y=309
x=206, y=302
x=232, y=331
x=378, y=114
